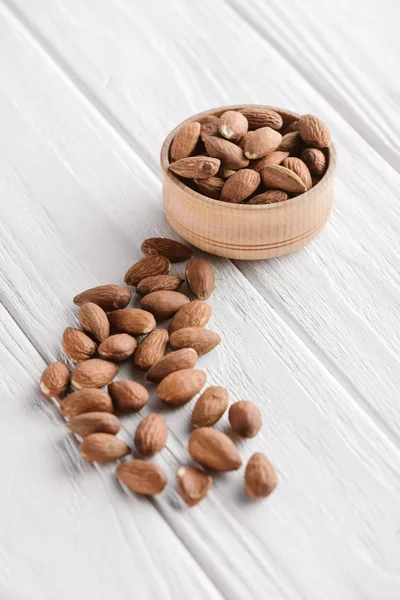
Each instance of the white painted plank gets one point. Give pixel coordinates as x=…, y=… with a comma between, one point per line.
x=81, y=203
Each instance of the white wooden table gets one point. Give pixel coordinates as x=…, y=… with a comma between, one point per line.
x=88, y=91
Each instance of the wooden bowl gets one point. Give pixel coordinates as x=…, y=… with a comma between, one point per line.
x=244, y=231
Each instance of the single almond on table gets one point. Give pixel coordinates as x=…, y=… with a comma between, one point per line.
x=230, y=155
x=269, y=197
x=86, y=401
x=278, y=177
x=233, y=125
x=240, y=186
x=54, y=381
x=291, y=142
x=210, y=407
x=300, y=168
x=194, y=314
x=151, y=435
x=201, y=340
x=118, y=347
x=245, y=418
x=314, y=132
x=109, y=297
x=176, y=252
x=199, y=167
x=209, y=125
x=315, y=160
x=146, y=267
x=211, y=187
x=200, y=277
x=214, y=450
x=185, y=141
x=77, y=345
x=260, y=142
x=103, y=447
x=94, y=422
x=275, y=158
x=262, y=117
x=156, y=283
x=164, y=303
x=260, y=476
x=180, y=387
x=152, y=349
x=174, y=361
x=133, y=320
x=128, y=396
x=93, y=373
x=93, y=319
x=192, y=484
x=142, y=477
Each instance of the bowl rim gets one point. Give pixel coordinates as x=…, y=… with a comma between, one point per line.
x=164, y=161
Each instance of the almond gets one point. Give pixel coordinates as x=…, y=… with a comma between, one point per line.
x=171, y=249
x=194, y=314
x=77, y=345
x=199, y=167
x=233, y=125
x=300, y=168
x=230, y=155
x=209, y=125
x=261, y=142
x=151, y=349
x=214, y=450
x=109, y=297
x=260, y=476
x=103, y=447
x=201, y=340
x=93, y=373
x=54, y=381
x=291, y=142
x=210, y=187
x=200, y=277
x=146, y=267
x=185, y=141
x=262, y=117
x=118, y=347
x=275, y=158
x=157, y=283
x=314, y=131
x=133, y=320
x=142, y=477
x=245, y=418
x=93, y=319
x=181, y=386
x=151, y=435
x=94, y=422
x=210, y=407
x=269, y=197
x=175, y=361
x=192, y=484
x=163, y=304
x=128, y=396
x=86, y=401
x=293, y=126
x=278, y=177
x=315, y=160
x=240, y=186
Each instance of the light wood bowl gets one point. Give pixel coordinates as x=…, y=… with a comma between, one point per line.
x=243, y=231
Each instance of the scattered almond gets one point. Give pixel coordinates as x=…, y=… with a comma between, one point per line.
x=55, y=380
x=315, y=160
x=260, y=476
x=200, y=278
x=199, y=167
x=314, y=132
x=245, y=418
x=175, y=361
x=152, y=349
x=109, y=297
x=142, y=477
x=230, y=155
x=275, y=158
x=300, y=168
x=146, y=267
x=157, y=283
x=214, y=450
x=201, y=340
x=94, y=422
x=103, y=447
x=291, y=142
x=269, y=197
x=77, y=345
x=211, y=187
x=194, y=314
x=261, y=142
x=240, y=186
x=86, y=401
x=174, y=251
x=133, y=320
x=278, y=177
x=163, y=304
x=151, y=435
x=233, y=125
x=93, y=319
x=93, y=373
x=185, y=140
x=118, y=347
x=210, y=407
x=180, y=387
x=192, y=484
x=261, y=117
x=128, y=396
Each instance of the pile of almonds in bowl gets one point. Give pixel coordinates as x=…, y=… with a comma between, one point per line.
x=250, y=155
x=111, y=332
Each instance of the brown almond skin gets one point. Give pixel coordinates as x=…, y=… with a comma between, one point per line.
x=93, y=373
x=201, y=340
x=209, y=125
x=260, y=142
x=278, y=177
x=210, y=407
x=233, y=125
x=230, y=155
x=142, y=477
x=314, y=132
x=94, y=422
x=164, y=304
x=157, y=283
x=147, y=267
x=152, y=349
x=214, y=450
x=176, y=252
x=245, y=418
x=180, y=387
x=77, y=345
x=269, y=197
x=86, y=401
x=194, y=314
x=133, y=320
x=210, y=187
x=200, y=277
x=128, y=396
x=185, y=141
x=294, y=126
x=300, y=168
x=315, y=160
x=93, y=319
x=109, y=297
x=118, y=347
x=262, y=117
x=240, y=185
x=199, y=167
x=174, y=361
x=275, y=158
x=54, y=381
x=151, y=435
x=102, y=448
x=192, y=484
x=291, y=142
x=260, y=476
